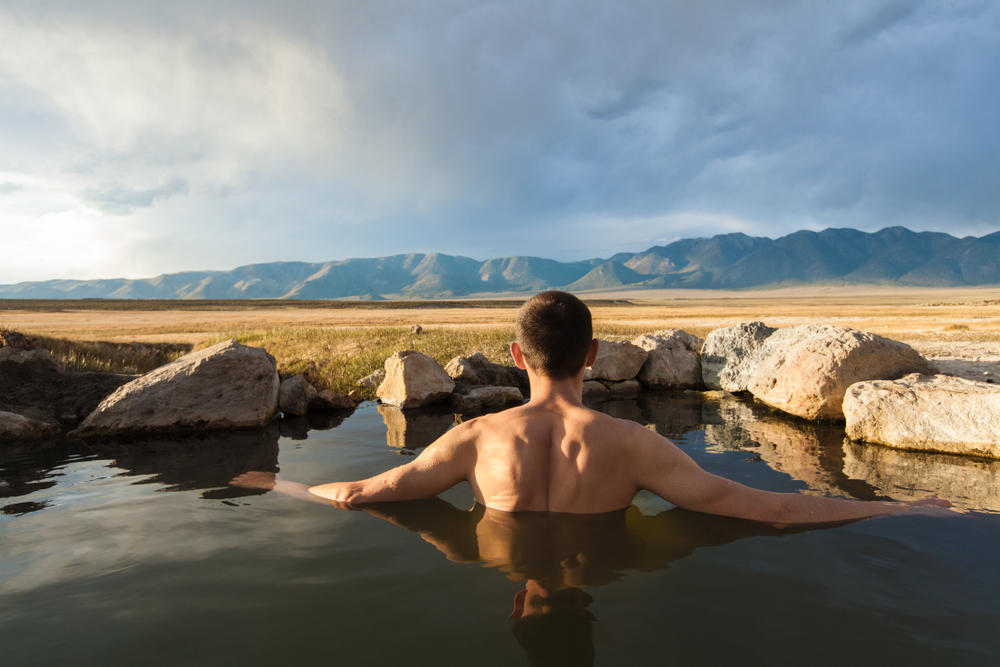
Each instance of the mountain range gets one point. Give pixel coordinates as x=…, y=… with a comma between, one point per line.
x=892, y=256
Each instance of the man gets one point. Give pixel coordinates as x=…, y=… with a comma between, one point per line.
x=553, y=454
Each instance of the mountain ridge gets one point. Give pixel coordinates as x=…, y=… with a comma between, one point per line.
x=890, y=256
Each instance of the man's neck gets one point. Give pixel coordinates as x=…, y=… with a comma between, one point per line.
x=546, y=390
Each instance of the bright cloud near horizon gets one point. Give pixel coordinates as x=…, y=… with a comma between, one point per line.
x=139, y=138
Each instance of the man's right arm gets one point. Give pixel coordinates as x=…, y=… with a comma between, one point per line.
x=442, y=465
x=662, y=468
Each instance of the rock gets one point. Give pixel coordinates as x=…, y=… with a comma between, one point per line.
x=413, y=379
x=624, y=387
x=476, y=369
x=294, y=396
x=809, y=367
x=672, y=360
x=717, y=396
x=616, y=361
x=413, y=429
x=35, y=359
x=373, y=380
x=17, y=426
x=329, y=400
x=221, y=387
x=594, y=388
x=416, y=329
x=726, y=355
x=481, y=397
x=934, y=413
x=355, y=396
x=35, y=384
x=15, y=339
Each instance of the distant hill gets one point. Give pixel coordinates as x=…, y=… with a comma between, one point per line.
x=892, y=256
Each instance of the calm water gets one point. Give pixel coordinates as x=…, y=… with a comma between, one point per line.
x=138, y=553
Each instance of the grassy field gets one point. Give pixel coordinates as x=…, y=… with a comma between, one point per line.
x=335, y=343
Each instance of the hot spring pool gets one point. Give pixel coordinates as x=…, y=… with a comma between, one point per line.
x=137, y=552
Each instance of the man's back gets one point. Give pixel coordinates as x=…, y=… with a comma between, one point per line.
x=551, y=456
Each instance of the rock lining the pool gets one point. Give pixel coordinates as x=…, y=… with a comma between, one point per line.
x=803, y=370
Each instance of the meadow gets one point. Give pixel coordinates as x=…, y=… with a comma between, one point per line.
x=333, y=343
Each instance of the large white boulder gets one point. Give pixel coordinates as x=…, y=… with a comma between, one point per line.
x=936, y=413
x=413, y=379
x=728, y=356
x=671, y=361
x=616, y=361
x=808, y=368
x=224, y=386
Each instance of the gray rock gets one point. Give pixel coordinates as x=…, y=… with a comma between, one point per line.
x=481, y=397
x=934, y=413
x=594, y=388
x=34, y=384
x=372, y=380
x=413, y=379
x=17, y=426
x=330, y=400
x=616, y=361
x=476, y=369
x=810, y=367
x=672, y=360
x=221, y=387
x=294, y=395
x=728, y=355
x=416, y=329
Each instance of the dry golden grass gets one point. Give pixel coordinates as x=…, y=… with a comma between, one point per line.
x=333, y=347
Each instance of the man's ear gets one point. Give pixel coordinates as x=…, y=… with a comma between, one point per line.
x=595, y=346
x=515, y=351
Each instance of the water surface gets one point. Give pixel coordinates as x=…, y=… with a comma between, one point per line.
x=137, y=551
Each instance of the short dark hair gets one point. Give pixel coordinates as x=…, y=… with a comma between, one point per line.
x=554, y=331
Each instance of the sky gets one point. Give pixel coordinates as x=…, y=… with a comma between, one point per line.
x=139, y=137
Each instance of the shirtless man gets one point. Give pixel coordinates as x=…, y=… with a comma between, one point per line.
x=553, y=454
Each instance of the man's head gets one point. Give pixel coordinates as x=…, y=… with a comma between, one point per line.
x=554, y=333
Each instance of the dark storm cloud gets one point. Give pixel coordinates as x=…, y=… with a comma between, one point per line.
x=563, y=128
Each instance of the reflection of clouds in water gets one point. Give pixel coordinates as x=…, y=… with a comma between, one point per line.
x=100, y=517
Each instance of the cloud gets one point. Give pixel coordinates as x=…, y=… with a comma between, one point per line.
x=10, y=187
x=118, y=199
x=568, y=128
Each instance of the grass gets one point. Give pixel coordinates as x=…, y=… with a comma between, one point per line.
x=336, y=358
x=103, y=357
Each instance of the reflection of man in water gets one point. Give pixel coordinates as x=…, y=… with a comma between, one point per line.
x=557, y=555
x=553, y=454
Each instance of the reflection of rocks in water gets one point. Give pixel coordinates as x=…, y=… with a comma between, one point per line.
x=807, y=451
x=206, y=460
x=294, y=428
x=415, y=428
x=619, y=407
x=969, y=483
x=673, y=415
x=324, y=421
x=27, y=466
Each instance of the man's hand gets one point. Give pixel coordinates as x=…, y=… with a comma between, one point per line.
x=255, y=480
